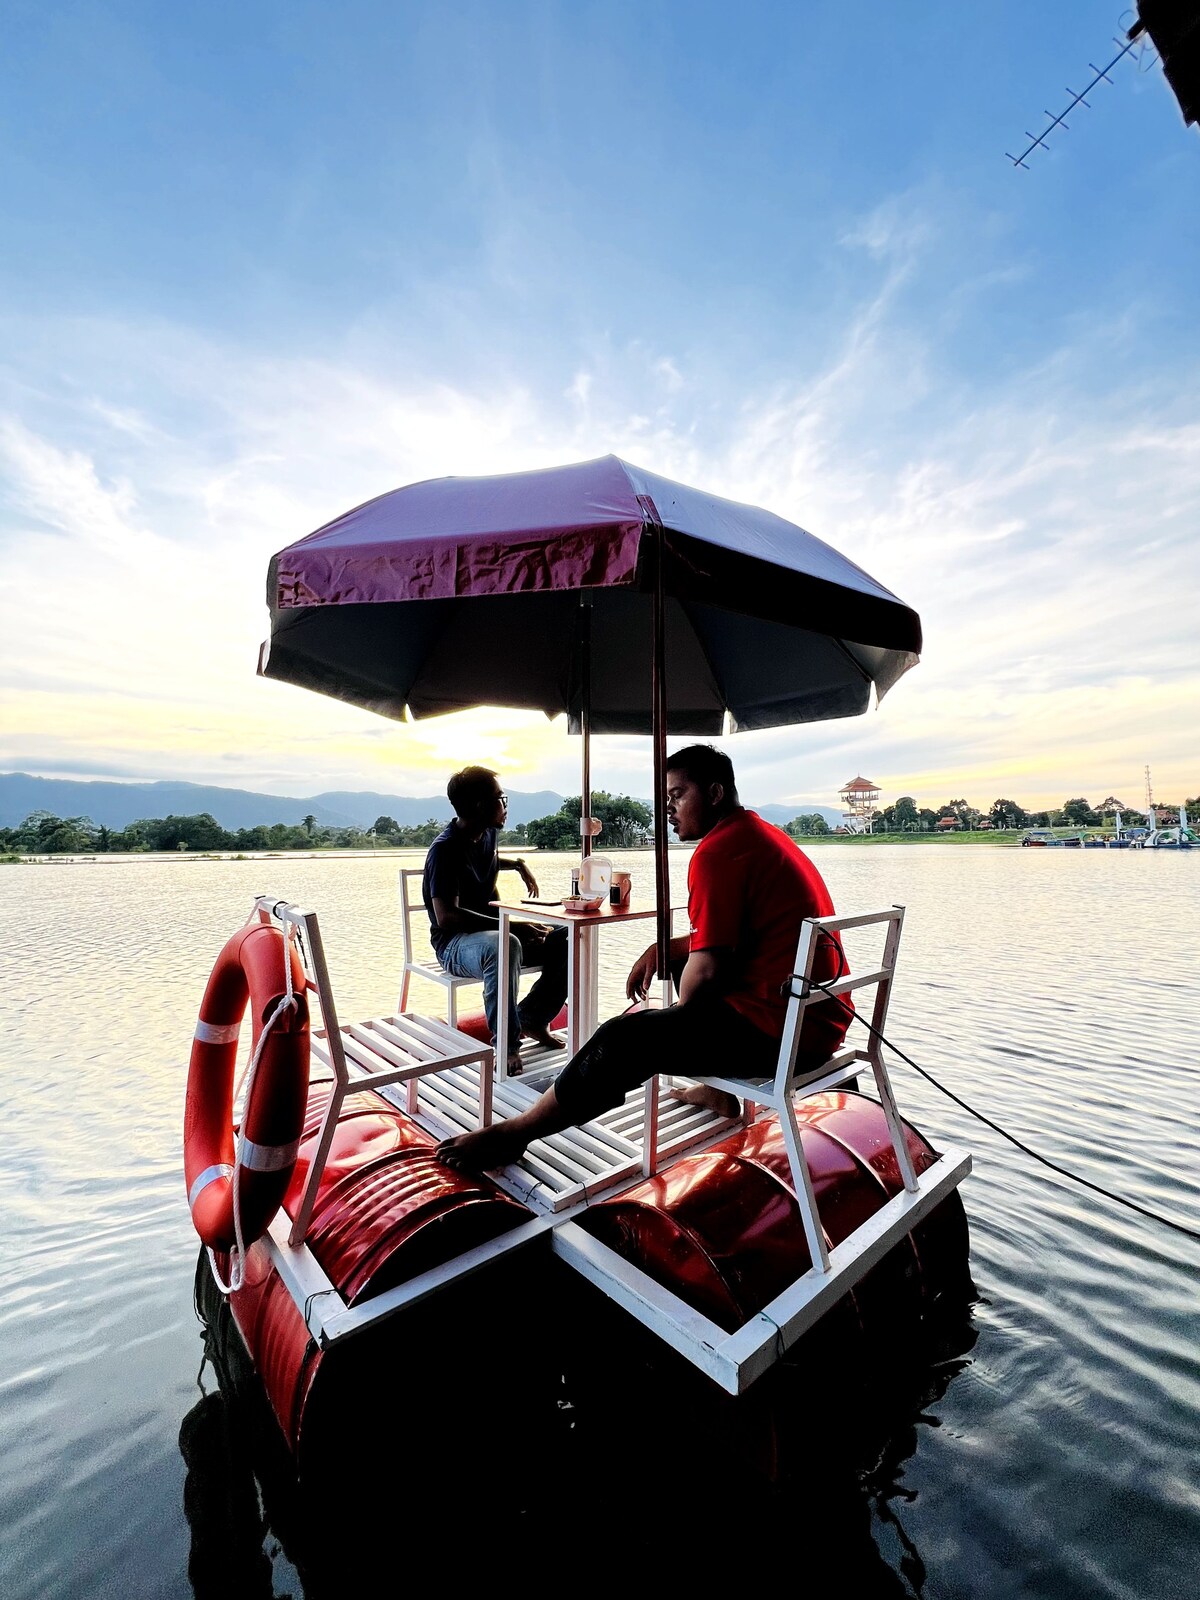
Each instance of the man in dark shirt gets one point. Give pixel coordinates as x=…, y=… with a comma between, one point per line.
x=458, y=888
x=749, y=889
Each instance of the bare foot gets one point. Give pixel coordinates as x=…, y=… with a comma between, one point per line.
x=482, y=1150
x=543, y=1036
x=702, y=1094
x=515, y=1065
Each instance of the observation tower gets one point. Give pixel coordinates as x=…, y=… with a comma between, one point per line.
x=860, y=798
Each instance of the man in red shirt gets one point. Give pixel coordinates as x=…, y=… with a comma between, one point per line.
x=749, y=889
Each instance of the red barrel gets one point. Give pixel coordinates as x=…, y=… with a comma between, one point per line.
x=721, y=1228
x=386, y=1211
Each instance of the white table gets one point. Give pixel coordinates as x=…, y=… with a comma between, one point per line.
x=583, y=964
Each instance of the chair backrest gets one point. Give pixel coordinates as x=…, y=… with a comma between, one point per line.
x=411, y=903
x=804, y=993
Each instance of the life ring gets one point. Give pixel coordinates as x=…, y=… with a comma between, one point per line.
x=249, y=968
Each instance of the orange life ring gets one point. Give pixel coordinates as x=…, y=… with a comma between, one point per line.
x=250, y=967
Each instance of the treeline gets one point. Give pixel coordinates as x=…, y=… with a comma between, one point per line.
x=44, y=834
x=905, y=816
x=626, y=822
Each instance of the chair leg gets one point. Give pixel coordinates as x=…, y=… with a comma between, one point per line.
x=452, y=1005
x=805, y=1198
x=404, y=983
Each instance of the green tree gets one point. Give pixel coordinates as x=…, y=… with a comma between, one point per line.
x=810, y=824
x=199, y=832
x=902, y=817
x=424, y=833
x=310, y=823
x=960, y=810
x=44, y=834
x=555, y=832
x=385, y=826
x=627, y=822
x=1007, y=814
x=1077, y=812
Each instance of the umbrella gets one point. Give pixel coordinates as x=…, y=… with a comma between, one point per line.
x=585, y=589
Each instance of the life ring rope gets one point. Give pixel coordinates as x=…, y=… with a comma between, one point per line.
x=249, y=1155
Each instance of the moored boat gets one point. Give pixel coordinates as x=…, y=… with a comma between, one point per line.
x=1046, y=838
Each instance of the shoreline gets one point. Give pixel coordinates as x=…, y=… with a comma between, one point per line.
x=1007, y=840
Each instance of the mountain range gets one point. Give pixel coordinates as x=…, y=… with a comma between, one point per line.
x=116, y=805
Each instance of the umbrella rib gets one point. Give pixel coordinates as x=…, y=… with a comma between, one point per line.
x=708, y=661
x=725, y=706
x=852, y=659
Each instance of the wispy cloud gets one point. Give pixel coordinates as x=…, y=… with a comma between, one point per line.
x=1048, y=544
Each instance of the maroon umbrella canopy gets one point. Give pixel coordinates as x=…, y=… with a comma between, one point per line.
x=460, y=592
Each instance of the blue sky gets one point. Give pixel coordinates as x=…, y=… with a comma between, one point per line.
x=265, y=261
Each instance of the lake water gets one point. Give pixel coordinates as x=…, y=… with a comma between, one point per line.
x=1055, y=1456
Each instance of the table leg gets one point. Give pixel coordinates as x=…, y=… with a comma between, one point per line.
x=502, y=980
x=590, y=971
x=575, y=988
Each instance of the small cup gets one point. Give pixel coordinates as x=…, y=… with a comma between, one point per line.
x=618, y=894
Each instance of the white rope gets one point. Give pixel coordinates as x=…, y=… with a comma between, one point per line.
x=237, y=1255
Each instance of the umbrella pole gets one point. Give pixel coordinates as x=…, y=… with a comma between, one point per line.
x=662, y=871
x=585, y=717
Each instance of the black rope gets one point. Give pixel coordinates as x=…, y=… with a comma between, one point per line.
x=1118, y=1199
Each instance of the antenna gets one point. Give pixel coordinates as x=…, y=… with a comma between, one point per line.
x=1102, y=74
x=1149, y=800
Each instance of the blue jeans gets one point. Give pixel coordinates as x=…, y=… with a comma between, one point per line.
x=476, y=955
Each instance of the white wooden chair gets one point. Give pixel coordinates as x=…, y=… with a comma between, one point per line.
x=778, y=1091
x=376, y=1056
x=411, y=907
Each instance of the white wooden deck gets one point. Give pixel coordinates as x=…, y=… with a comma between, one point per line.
x=445, y=1081
x=554, y=1174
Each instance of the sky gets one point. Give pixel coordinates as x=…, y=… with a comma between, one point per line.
x=265, y=261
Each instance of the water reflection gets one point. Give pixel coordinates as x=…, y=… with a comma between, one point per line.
x=562, y=1442
x=1064, y=1466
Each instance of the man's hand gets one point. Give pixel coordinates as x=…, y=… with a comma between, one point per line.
x=528, y=879
x=642, y=974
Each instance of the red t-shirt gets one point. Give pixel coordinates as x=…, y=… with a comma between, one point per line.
x=749, y=888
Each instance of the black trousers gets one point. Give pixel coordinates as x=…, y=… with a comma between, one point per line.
x=545, y=1000
x=706, y=1035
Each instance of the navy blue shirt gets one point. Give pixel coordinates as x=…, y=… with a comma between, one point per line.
x=457, y=867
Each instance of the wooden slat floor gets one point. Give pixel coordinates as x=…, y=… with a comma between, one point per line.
x=556, y=1173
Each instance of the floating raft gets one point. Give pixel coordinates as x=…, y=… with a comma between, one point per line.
x=733, y=1241
x=718, y=1229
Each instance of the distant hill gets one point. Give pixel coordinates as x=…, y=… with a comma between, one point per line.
x=782, y=815
x=116, y=805
x=362, y=807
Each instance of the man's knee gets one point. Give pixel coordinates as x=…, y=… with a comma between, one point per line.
x=490, y=953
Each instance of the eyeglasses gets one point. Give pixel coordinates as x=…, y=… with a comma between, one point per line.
x=502, y=797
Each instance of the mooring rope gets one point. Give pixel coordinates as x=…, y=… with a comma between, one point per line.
x=1066, y=1172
